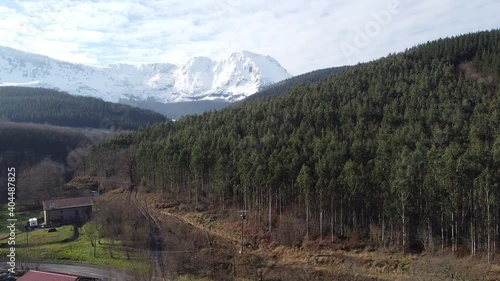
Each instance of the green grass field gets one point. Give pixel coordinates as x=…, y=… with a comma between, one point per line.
x=22, y=218
x=66, y=244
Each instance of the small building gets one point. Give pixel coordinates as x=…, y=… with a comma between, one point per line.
x=67, y=211
x=35, y=275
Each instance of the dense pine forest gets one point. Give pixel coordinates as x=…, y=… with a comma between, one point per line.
x=36, y=105
x=403, y=150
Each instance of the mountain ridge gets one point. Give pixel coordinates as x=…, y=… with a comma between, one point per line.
x=231, y=79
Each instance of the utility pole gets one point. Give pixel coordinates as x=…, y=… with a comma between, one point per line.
x=243, y=215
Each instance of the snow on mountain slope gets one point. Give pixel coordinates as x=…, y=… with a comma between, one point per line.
x=231, y=79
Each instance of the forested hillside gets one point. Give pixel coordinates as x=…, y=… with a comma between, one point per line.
x=402, y=149
x=23, y=146
x=36, y=105
x=32, y=142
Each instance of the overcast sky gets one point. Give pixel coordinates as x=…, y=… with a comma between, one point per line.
x=303, y=35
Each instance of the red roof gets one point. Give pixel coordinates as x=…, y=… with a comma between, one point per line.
x=67, y=203
x=34, y=275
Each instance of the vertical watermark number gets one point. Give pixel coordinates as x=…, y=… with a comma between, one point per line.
x=11, y=218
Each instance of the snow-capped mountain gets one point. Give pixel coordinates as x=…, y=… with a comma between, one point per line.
x=201, y=78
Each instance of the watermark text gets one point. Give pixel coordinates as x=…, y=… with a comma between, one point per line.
x=11, y=218
x=364, y=36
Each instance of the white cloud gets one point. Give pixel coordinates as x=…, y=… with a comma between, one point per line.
x=302, y=35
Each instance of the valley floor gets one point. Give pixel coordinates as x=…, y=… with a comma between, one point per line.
x=205, y=245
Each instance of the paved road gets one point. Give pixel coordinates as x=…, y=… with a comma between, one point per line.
x=104, y=273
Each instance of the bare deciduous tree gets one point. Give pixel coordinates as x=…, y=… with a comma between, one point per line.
x=42, y=182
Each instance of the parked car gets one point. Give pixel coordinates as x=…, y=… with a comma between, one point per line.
x=6, y=277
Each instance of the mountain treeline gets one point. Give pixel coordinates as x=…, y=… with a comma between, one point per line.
x=402, y=150
x=176, y=110
x=284, y=86
x=37, y=105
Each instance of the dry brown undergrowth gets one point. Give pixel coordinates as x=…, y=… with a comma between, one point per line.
x=312, y=260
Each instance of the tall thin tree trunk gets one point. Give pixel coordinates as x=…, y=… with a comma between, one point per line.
x=307, y=220
x=354, y=230
x=278, y=202
x=391, y=238
x=260, y=205
x=472, y=238
x=333, y=219
x=172, y=182
x=442, y=232
x=196, y=197
x=382, y=235
x=270, y=212
x=488, y=226
x=452, y=232
x=429, y=230
x=472, y=228
x=403, y=226
x=341, y=216
x=321, y=224
x=495, y=235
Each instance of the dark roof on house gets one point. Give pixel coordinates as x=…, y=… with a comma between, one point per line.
x=34, y=275
x=67, y=203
